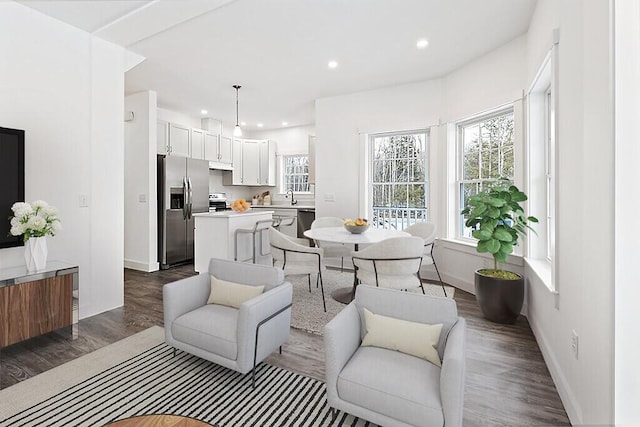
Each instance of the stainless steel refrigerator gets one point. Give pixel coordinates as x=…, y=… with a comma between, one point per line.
x=183, y=190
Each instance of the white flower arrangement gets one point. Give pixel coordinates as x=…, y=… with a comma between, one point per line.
x=36, y=219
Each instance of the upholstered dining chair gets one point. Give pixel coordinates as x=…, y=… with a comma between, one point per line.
x=427, y=231
x=295, y=257
x=332, y=250
x=223, y=324
x=386, y=382
x=392, y=263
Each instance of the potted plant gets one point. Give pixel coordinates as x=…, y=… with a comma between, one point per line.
x=498, y=220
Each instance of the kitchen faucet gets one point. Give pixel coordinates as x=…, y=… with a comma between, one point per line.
x=293, y=201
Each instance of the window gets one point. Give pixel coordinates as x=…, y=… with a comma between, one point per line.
x=485, y=147
x=542, y=136
x=295, y=174
x=549, y=148
x=398, y=187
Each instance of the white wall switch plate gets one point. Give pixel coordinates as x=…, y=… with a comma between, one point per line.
x=142, y=198
x=329, y=197
x=84, y=201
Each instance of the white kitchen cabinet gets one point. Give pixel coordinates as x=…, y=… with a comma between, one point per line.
x=225, y=150
x=218, y=149
x=162, y=137
x=251, y=162
x=267, y=163
x=254, y=163
x=234, y=177
x=211, y=147
x=197, y=143
x=179, y=140
x=312, y=159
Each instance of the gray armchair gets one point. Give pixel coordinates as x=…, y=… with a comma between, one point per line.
x=235, y=338
x=388, y=387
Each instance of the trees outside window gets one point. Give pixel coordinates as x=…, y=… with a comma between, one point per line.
x=485, y=147
x=295, y=174
x=398, y=179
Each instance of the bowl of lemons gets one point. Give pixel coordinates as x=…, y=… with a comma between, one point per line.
x=360, y=225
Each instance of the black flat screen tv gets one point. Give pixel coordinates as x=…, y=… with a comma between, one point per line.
x=11, y=181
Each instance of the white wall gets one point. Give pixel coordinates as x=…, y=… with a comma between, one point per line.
x=585, y=242
x=141, y=221
x=65, y=88
x=342, y=122
x=627, y=158
x=494, y=79
x=179, y=118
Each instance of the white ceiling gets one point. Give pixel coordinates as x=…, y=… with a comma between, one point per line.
x=278, y=50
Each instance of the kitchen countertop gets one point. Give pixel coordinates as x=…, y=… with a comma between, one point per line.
x=284, y=207
x=231, y=214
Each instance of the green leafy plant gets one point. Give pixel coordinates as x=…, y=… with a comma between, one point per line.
x=498, y=221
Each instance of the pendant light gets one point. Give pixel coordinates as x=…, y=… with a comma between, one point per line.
x=237, y=131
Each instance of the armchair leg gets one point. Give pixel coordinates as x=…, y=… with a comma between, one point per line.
x=319, y=277
x=280, y=349
x=309, y=279
x=334, y=414
x=174, y=352
x=255, y=347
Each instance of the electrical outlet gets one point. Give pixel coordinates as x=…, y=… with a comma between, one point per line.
x=142, y=198
x=574, y=344
x=329, y=197
x=84, y=201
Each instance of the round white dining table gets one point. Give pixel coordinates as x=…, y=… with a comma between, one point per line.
x=341, y=235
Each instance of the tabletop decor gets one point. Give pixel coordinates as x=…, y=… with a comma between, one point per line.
x=34, y=221
x=498, y=220
x=360, y=225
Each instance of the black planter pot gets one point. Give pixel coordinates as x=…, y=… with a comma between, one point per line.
x=499, y=299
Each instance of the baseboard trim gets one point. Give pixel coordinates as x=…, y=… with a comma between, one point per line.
x=141, y=266
x=574, y=411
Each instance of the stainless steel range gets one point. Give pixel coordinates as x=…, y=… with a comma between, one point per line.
x=218, y=202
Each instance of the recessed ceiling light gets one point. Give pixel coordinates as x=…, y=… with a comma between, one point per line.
x=285, y=123
x=243, y=123
x=422, y=43
x=332, y=64
x=260, y=125
x=203, y=111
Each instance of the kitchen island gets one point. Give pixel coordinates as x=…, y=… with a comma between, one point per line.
x=215, y=237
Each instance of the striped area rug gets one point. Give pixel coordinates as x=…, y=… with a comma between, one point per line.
x=156, y=382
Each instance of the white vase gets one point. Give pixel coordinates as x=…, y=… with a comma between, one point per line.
x=35, y=253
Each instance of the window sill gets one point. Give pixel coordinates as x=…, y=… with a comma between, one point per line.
x=542, y=269
x=469, y=247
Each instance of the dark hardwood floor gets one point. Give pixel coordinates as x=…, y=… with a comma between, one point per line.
x=507, y=381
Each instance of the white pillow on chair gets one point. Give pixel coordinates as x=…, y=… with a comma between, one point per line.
x=416, y=339
x=230, y=293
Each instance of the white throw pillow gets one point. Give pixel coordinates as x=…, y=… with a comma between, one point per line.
x=416, y=339
x=231, y=293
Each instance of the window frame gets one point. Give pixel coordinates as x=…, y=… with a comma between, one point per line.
x=283, y=172
x=542, y=154
x=370, y=167
x=459, y=177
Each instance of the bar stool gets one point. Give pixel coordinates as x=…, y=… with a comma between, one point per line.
x=279, y=220
x=259, y=228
